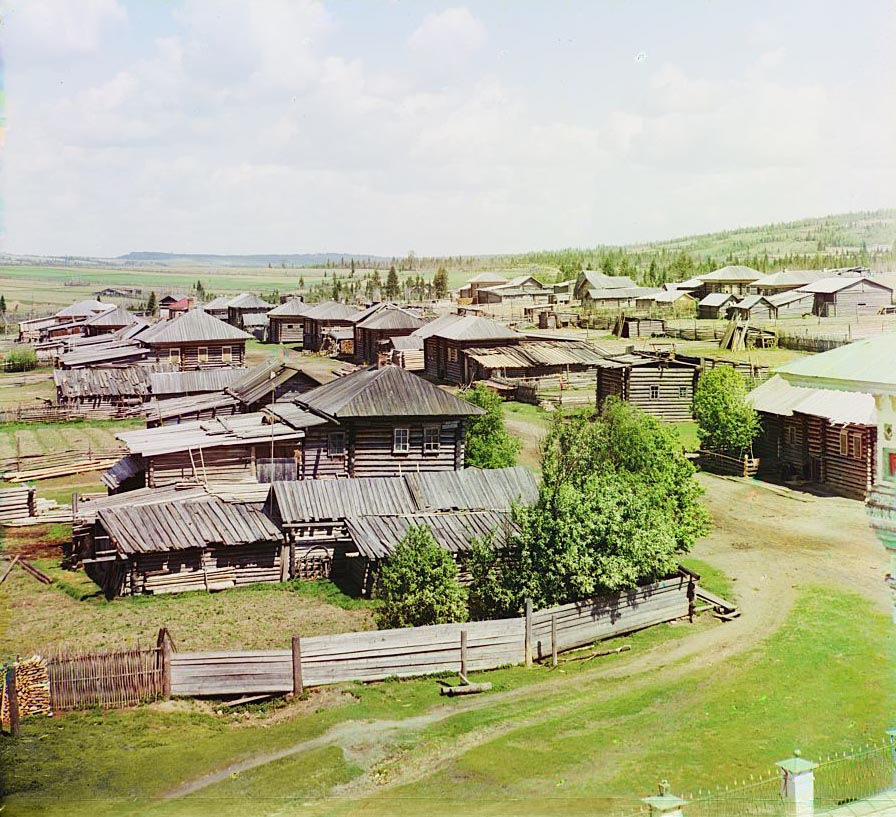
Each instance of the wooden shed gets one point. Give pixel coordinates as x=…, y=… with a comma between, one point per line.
x=447, y=338
x=383, y=422
x=109, y=321
x=660, y=386
x=792, y=304
x=820, y=436
x=594, y=279
x=752, y=307
x=196, y=340
x=532, y=359
x=286, y=322
x=244, y=305
x=483, y=280
x=714, y=305
x=198, y=543
x=323, y=316
x=372, y=335
x=110, y=389
x=846, y=296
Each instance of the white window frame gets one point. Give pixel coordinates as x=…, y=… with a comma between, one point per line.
x=430, y=447
x=202, y=354
x=401, y=440
x=452, y=354
x=654, y=392
x=226, y=354
x=174, y=354
x=334, y=450
x=844, y=443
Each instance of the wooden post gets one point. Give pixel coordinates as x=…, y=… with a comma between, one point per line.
x=463, y=653
x=298, y=687
x=553, y=641
x=528, y=644
x=13, y=697
x=75, y=505
x=164, y=644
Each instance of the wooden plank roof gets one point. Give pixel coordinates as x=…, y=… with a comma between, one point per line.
x=330, y=310
x=113, y=317
x=777, y=396
x=247, y=300
x=83, y=308
x=201, y=380
x=387, y=392
x=733, y=273
x=536, y=353
x=194, y=326
x=472, y=327
x=187, y=523
x=125, y=381
x=293, y=308
x=391, y=317
x=262, y=380
x=112, y=352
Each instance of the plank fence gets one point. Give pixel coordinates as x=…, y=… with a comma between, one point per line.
x=722, y=464
x=415, y=651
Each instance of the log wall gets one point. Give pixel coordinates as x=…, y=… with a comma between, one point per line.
x=189, y=354
x=286, y=330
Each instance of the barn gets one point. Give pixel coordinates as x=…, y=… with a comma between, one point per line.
x=752, y=307
x=714, y=305
x=244, y=305
x=660, y=386
x=286, y=321
x=321, y=317
x=110, y=390
x=593, y=279
x=444, y=344
x=815, y=435
x=382, y=422
x=109, y=321
x=372, y=335
x=196, y=340
x=482, y=281
x=521, y=290
x=846, y=296
x=792, y=304
x=532, y=359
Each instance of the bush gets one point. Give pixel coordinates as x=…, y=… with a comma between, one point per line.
x=418, y=585
x=488, y=445
x=20, y=360
x=726, y=423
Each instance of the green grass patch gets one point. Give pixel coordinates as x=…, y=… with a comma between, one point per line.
x=687, y=433
x=711, y=578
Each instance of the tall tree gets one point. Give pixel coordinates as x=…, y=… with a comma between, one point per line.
x=726, y=422
x=151, y=304
x=488, y=443
x=391, y=289
x=440, y=282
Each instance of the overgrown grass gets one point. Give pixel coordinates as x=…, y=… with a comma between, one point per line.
x=711, y=578
x=687, y=433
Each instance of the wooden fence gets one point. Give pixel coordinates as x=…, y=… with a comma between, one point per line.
x=722, y=464
x=476, y=645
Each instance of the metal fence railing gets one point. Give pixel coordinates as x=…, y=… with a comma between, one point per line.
x=753, y=797
x=855, y=775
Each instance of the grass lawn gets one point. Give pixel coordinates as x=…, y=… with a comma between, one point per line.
x=580, y=742
x=687, y=433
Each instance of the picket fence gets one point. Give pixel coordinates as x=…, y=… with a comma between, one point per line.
x=401, y=653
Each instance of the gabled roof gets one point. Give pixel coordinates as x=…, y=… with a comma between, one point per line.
x=192, y=327
x=246, y=300
x=671, y=295
x=391, y=317
x=406, y=343
x=472, y=327
x=218, y=303
x=487, y=278
x=330, y=311
x=173, y=298
x=790, y=278
x=784, y=298
x=777, y=396
x=195, y=382
x=735, y=273
x=436, y=325
x=837, y=283
x=87, y=307
x=864, y=365
x=716, y=299
x=387, y=392
x=113, y=317
x=293, y=308
x=622, y=293
x=262, y=380
x=749, y=301
x=597, y=280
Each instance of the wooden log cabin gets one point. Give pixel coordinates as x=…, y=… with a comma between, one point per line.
x=847, y=295
x=218, y=306
x=734, y=279
x=321, y=317
x=105, y=389
x=332, y=526
x=372, y=335
x=819, y=436
x=197, y=543
x=532, y=359
x=715, y=305
x=286, y=322
x=196, y=340
x=446, y=340
x=244, y=305
x=660, y=386
x=109, y=321
x=383, y=422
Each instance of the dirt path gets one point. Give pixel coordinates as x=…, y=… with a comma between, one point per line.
x=771, y=540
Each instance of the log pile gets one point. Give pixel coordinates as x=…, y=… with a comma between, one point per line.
x=17, y=503
x=32, y=688
x=45, y=511
x=62, y=465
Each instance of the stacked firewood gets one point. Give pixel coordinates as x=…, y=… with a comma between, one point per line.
x=32, y=688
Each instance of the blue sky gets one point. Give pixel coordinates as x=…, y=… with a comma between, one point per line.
x=276, y=126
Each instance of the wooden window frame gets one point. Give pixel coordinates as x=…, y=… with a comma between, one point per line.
x=428, y=446
x=682, y=391
x=654, y=392
x=452, y=354
x=856, y=445
x=335, y=451
x=226, y=354
x=202, y=354
x=401, y=447
x=174, y=354
x=844, y=443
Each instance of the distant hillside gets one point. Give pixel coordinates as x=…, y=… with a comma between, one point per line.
x=288, y=260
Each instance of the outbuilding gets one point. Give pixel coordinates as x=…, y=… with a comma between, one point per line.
x=660, y=386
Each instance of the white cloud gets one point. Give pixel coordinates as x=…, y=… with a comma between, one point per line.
x=449, y=35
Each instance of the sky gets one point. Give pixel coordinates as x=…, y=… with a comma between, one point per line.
x=386, y=126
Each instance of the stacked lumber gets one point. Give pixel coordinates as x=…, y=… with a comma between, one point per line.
x=17, y=503
x=49, y=470
x=45, y=511
x=32, y=688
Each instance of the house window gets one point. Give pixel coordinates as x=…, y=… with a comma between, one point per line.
x=790, y=435
x=336, y=444
x=431, y=439
x=855, y=445
x=174, y=355
x=401, y=440
x=682, y=391
x=844, y=443
x=654, y=392
x=452, y=354
x=226, y=354
x=203, y=354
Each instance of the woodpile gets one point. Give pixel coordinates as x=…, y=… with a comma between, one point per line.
x=17, y=503
x=32, y=688
x=62, y=465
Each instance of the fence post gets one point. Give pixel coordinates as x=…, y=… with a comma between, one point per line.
x=463, y=653
x=664, y=803
x=746, y=466
x=13, y=696
x=164, y=644
x=891, y=734
x=528, y=642
x=798, y=784
x=298, y=687
x=553, y=641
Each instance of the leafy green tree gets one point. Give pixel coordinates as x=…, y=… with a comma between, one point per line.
x=726, y=422
x=151, y=304
x=488, y=443
x=20, y=360
x=492, y=591
x=440, y=282
x=391, y=289
x=2, y=304
x=301, y=282
x=419, y=585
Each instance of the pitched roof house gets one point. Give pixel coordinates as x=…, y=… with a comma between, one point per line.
x=373, y=333
x=446, y=339
x=286, y=322
x=321, y=317
x=196, y=340
x=843, y=296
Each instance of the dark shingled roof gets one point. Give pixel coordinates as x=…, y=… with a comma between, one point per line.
x=192, y=327
x=391, y=317
x=387, y=392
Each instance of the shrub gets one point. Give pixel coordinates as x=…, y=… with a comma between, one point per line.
x=20, y=360
x=725, y=421
x=488, y=444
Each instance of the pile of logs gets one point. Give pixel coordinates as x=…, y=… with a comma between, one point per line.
x=32, y=687
x=17, y=503
x=63, y=465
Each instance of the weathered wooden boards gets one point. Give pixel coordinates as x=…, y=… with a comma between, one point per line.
x=472, y=646
x=17, y=503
